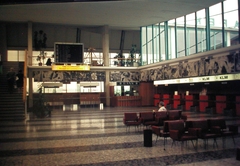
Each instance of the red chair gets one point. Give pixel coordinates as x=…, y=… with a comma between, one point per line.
x=148, y=118
x=224, y=130
x=161, y=132
x=205, y=132
x=131, y=119
x=161, y=116
x=177, y=132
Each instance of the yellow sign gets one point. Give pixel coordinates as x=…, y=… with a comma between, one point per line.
x=70, y=67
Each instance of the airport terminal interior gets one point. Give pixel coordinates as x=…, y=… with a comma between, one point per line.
x=112, y=62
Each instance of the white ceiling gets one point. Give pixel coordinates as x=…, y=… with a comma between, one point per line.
x=128, y=14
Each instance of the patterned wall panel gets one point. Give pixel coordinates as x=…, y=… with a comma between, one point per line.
x=200, y=67
x=220, y=65
x=67, y=76
x=124, y=76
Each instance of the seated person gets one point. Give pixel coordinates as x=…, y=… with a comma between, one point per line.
x=161, y=107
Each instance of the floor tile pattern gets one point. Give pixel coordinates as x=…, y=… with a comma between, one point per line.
x=89, y=136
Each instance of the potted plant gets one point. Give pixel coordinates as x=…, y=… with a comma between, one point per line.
x=40, y=107
x=41, y=57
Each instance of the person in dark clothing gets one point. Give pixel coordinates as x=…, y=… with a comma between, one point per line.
x=11, y=76
x=49, y=62
x=20, y=80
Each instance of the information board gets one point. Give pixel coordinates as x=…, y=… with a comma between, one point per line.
x=68, y=52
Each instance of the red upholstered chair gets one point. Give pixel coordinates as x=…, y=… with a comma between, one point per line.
x=161, y=116
x=148, y=118
x=205, y=132
x=177, y=132
x=225, y=131
x=161, y=132
x=131, y=119
x=174, y=114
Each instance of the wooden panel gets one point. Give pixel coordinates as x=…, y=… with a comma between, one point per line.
x=146, y=91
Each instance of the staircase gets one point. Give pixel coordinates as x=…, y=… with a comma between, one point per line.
x=12, y=107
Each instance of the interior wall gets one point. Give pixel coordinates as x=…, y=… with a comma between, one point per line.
x=91, y=37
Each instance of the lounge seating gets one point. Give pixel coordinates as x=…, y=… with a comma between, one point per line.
x=177, y=132
x=204, y=131
x=131, y=119
x=148, y=118
x=161, y=117
x=161, y=132
x=220, y=125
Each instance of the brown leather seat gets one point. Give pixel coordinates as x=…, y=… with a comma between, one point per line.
x=204, y=131
x=161, y=132
x=131, y=119
x=224, y=130
x=148, y=118
x=177, y=132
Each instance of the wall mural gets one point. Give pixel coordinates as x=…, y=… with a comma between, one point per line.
x=237, y=62
x=206, y=66
x=124, y=76
x=67, y=76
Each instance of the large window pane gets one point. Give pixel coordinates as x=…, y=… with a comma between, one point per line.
x=163, y=42
x=201, y=31
x=180, y=37
x=215, y=21
x=149, y=45
x=144, y=45
x=171, y=40
x=191, y=35
x=156, y=39
x=231, y=22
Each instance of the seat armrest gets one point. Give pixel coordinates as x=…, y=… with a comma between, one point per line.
x=156, y=130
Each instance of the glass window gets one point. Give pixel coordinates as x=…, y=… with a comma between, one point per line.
x=171, y=39
x=180, y=37
x=94, y=58
x=191, y=35
x=47, y=54
x=149, y=45
x=73, y=87
x=156, y=40
x=163, y=42
x=215, y=22
x=16, y=55
x=144, y=46
x=201, y=31
x=231, y=22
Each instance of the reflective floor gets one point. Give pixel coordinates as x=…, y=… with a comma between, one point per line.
x=89, y=136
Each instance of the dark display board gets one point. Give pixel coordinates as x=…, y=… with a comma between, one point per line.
x=68, y=52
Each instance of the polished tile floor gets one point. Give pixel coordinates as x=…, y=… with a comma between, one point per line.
x=89, y=136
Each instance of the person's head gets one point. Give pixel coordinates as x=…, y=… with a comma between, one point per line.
x=161, y=103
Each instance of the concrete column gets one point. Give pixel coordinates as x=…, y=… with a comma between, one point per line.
x=105, y=46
